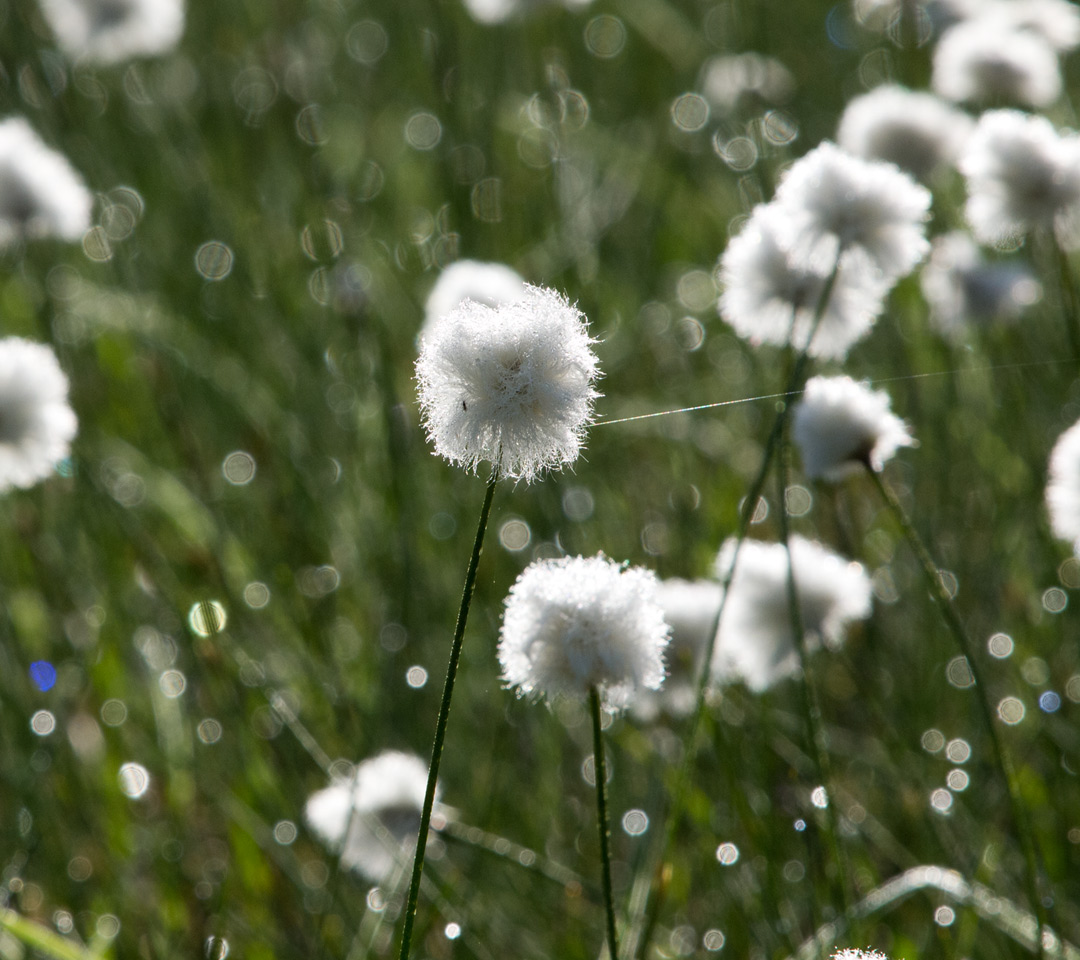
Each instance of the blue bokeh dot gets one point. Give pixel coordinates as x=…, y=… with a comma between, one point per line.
x=43, y=674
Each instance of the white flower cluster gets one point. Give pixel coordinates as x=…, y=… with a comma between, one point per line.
x=1063, y=487
x=109, y=31
x=491, y=284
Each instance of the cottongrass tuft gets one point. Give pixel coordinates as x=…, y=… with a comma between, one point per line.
x=1063, y=487
x=36, y=423
x=41, y=195
x=577, y=623
x=841, y=426
x=756, y=643
x=853, y=953
x=510, y=385
x=488, y=283
x=110, y=31
x=371, y=819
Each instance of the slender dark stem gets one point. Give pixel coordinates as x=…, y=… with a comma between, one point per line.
x=600, y=773
x=444, y=714
x=982, y=695
x=1069, y=299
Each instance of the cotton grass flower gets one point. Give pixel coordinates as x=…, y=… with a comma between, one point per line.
x=491, y=284
x=372, y=817
x=756, y=643
x=841, y=426
x=511, y=385
x=1063, y=487
x=768, y=297
x=36, y=423
x=853, y=953
x=110, y=31
x=1021, y=175
x=577, y=623
x=917, y=131
x=41, y=195
x=870, y=214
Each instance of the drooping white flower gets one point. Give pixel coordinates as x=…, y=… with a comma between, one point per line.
x=109, y=31
x=370, y=817
x=1021, y=175
x=840, y=425
x=870, y=213
x=1063, y=487
x=961, y=287
x=1055, y=21
x=575, y=623
x=488, y=283
x=756, y=643
x=511, y=385
x=916, y=131
x=36, y=423
x=729, y=78
x=987, y=61
x=40, y=194
x=769, y=297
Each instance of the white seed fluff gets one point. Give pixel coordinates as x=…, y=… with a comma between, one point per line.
x=36, y=423
x=576, y=623
x=488, y=283
x=1063, y=487
x=770, y=298
x=41, y=195
x=1021, y=175
x=861, y=210
x=917, y=131
x=109, y=31
x=839, y=425
x=511, y=385
x=369, y=818
x=756, y=644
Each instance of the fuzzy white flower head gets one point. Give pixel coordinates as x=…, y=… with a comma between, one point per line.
x=768, y=297
x=840, y=426
x=1055, y=21
x=960, y=286
x=985, y=60
x=1063, y=487
x=756, y=644
x=853, y=953
x=916, y=131
x=370, y=817
x=868, y=212
x=576, y=623
x=1021, y=175
x=488, y=283
x=36, y=423
x=40, y=194
x=511, y=385
x=109, y=31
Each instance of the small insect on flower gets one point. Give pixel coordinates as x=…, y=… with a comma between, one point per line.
x=371, y=818
x=576, y=623
x=109, y=31
x=36, y=423
x=511, y=385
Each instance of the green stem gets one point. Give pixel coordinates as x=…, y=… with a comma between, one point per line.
x=967, y=649
x=600, y=773
x=1070, y=302
x=444, y=714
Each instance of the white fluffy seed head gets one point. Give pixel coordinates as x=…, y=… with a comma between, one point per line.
x=852, y=953
x=510, y=385
x=868, y=212
x=1021, y=175
x=840, y=425
x=576, y=623
x=771, y=297
x=109, y=31
x=917, y=131
x=41, y=195
x=1055, y=21
x=368, y=818
x=756, y=644
x=36, y=423
x=1063, y=487
x=488, y=283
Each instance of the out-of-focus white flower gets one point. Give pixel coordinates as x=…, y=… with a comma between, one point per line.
x=916, y=131
x=36, y=423
x=852, y=953
x=727, y=79
x=1063, y=487
x=840, y=426
x=961, y=287
x=499, y=11
x=867, y=212
x=576, y=623
x=40, y=194
x=1021, y=175
x=985, y=60
x=109, y=31
x=770, y=298
x=371, y=817
x=1055, y=21
x=488, y=283
x=756, y=643
x=511, y=385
